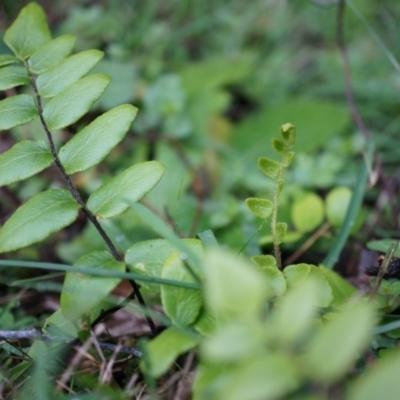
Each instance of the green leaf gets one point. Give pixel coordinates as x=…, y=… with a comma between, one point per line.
x=262, y=208
x=89, y=146
x=307, y=212
x=68, y=106
x=279, y=146
x=12, y=76
x=275, y=280
x=280, y=232
x=341, y=288
x=149, y=256
x=17, y=110
x=51, y=54
x=350, y=331
x=379, y=382
x=23, y=160
x=64, y=74
x=28, y=32
x=288, y=132
x=287, y=158
x=165, y=348
x=269, y=167
x=383, y=246
x=6, y=59
x=110, y=199
x=232, y=287
x=294, y=314
x=298, y=273
x=182, y=305
x=265, y=260
x=43, y=214
x=337, y=203
x=82, y=293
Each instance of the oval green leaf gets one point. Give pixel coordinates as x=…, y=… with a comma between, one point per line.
x=51, y=54
x=28, y=32
x=164, y=349
x=269, y=167
x=276, y=282
x=265, y=260
x=148, y=256
x=23, y=160
x=280, y=232
x=262, y=208
x=17, y=110
x=68, y=106
x=233, y=288
x=42, y=215
x=6, y=59
x=13, y=76
x=337, y=203
x=307, y=212
x=350, y=332
x=110, y=199
x=279, y=146
x=63, y=75
x=82, y=293
x=89, y=146
x=288, y=132
x=297, y=273
x=182, y=305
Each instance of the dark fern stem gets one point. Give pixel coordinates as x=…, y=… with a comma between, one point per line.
x=71, y=187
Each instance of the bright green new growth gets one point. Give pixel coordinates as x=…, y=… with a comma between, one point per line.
x=265, y=208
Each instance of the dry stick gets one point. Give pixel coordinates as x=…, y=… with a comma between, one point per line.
x=79, y=200
x=352, y=105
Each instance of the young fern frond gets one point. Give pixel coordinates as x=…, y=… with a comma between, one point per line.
x=265, y=208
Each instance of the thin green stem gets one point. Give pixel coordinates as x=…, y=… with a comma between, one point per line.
x=78, y=198
x=274, y=218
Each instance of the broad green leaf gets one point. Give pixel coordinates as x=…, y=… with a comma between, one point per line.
x=6, y=59
x=182, y=305
x=110, y=199
x=298, y=273
x=269, y=167
x=69, y=71
x=293, y=315
x=165, y=348
x=381, y=381
x=288, y=132
x=280, y=232
x=233, y=287
x=23, y=160
x=307, y=212
x=82, y=293
x=279, y=146
x=149, y=256
x=350, y=331
x=337, y=202
x=262, y=208
x=17, y=110
x=52, y=53
x=12, y=76
x=261, y=377
x=71, y=104
x=341, y=288
x=89, y=146
x=275, y=280
x=28, y=32
x=42, y=215
x=265, y=260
